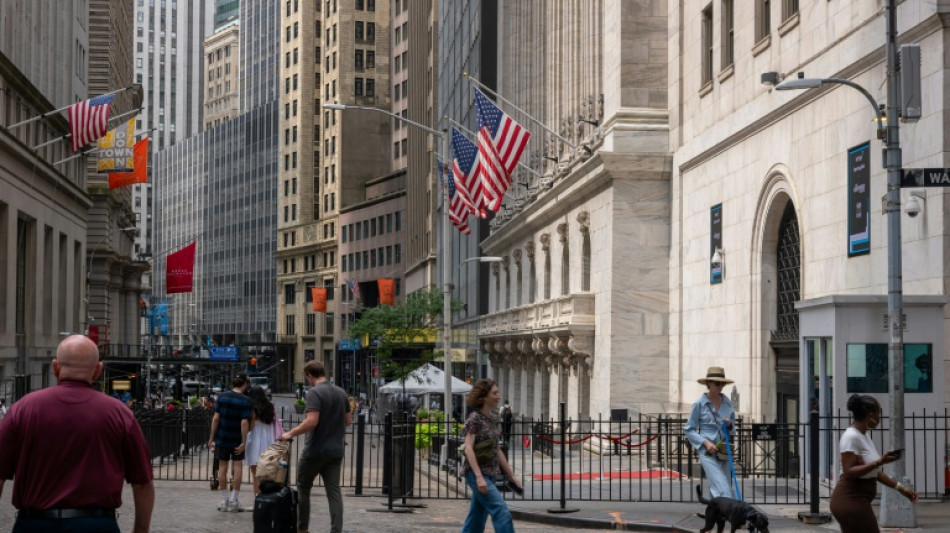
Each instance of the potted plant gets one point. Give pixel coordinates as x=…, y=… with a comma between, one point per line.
x=299, y=406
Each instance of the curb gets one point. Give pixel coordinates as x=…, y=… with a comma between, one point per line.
x=561, y=520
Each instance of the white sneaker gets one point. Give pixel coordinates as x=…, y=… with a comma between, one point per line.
x=224, y=506
x=235, y=506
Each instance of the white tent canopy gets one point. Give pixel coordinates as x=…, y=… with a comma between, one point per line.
x=424, y=387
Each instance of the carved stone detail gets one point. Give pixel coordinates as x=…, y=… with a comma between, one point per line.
x=524, y=347
x=495, y=268
x=581, y=344
x=583, y=218
x=562, y=232
x=516, y=255
x=529, y=249
x=545, y=241
x=506, y=263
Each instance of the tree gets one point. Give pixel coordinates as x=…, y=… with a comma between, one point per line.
x=401, y=330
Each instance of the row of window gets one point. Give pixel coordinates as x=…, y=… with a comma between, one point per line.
x=763, y=28
x=309, y=262
x=372, y=227
x=402, y=32
x=211, y=72
x=358, y=88
x=382, y=256
x=358, y=59
x=216, y=55
x=362, y=32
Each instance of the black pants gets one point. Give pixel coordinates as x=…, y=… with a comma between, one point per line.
x=68, y=525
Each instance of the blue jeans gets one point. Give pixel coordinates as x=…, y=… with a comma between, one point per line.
x=718, y=474
x=491, y=503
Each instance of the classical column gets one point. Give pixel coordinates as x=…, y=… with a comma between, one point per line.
x=582, y=348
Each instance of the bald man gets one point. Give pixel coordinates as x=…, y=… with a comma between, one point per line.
x=75, y=447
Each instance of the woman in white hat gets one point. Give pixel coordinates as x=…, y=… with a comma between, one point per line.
x=705, y=433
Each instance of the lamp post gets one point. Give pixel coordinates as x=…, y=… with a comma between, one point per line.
x=896, y=511
x=443, y=137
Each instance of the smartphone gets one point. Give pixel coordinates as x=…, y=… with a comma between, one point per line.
x=515, y=488
x=898, y=452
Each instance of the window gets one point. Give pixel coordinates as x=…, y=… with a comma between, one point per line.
x=389, y=255
x=329, y=284
x=398, y=35
x=868, y=370
x=398, y=220
x=358, y=86
x=290, y=322
x=370, y=59
x=371, y=32
x=328, y=324
x=396, y=97
x=359, y=5
x=396, y=150
x=343, y=235
x=343, y=264
x=296, y=55
x=763, y=19
x=389, y=223
x=397, y=251
x=290, y=295
x=311, y=324
x=372, y=227
x=727, y=34
x=358, y=59
x=789, y=9
x=370, y=87
x=295, y=81
x=370, y=5
x=358, y=34
x=707, y=45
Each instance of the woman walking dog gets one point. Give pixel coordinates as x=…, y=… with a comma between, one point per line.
x=705, y=432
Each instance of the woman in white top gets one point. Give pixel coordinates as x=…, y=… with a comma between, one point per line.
x=861, y=470
x=262, y=431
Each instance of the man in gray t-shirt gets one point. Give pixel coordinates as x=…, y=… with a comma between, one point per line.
x=328, y=415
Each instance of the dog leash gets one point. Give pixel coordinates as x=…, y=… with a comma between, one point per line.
x=732, y=465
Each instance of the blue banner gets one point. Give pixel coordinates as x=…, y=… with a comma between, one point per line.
x=224, y=353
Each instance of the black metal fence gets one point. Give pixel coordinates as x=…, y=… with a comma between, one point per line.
x=643, y=459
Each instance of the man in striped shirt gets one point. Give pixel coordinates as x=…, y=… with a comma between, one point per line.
x=229, y=428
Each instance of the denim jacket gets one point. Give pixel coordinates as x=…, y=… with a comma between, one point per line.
x=706, y=424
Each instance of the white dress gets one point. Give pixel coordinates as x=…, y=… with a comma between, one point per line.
x=258, y=440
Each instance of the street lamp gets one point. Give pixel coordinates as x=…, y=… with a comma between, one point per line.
x=895, y=510
x=446, y=255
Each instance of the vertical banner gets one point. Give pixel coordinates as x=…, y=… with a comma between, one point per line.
x=319, y=297
x=139, y=172
x=715, y=241
x=180, y=270
x=387, y=291
x=859, y=200
x=115, y=152
x=94, y=334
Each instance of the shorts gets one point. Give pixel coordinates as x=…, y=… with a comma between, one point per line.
x=226, y=453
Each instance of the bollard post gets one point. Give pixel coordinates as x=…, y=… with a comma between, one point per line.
x=564, y=470
x=813, y=516
x=360, y=452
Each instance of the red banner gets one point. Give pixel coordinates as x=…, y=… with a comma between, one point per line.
x=387, y=291
x=139, y=172
x=94, y=334
x=180, y=270
x=319, y=299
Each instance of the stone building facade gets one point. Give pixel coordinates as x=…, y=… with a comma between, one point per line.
x=222, y=99
x=579, y=305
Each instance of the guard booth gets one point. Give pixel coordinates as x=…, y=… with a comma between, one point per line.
x=844, y=345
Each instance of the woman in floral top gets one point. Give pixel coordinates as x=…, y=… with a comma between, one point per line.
x=480, y=426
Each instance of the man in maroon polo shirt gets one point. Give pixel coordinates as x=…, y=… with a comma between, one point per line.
x=69, y=448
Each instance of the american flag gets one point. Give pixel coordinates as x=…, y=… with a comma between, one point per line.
x=501, y=141
x=354, y=288
x=458, y=212
x=465, y=169
x=89, y=120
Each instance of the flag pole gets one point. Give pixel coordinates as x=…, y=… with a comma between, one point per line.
x=68, y=135
x=472, y=134
x=485, y=88
x=91, y=150
x=49, y=113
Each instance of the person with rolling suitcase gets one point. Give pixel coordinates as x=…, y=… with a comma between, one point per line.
x=275, y=507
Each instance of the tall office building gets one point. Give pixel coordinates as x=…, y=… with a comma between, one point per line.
x=326, y=157
x=222, y=100
x=218, y=190
x=225, y=12
x=169, y=39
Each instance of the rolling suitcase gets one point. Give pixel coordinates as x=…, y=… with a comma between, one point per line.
x=275, y=511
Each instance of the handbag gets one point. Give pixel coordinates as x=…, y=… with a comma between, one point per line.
x=273, y=464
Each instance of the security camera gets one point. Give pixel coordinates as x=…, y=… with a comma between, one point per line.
x=913, y=207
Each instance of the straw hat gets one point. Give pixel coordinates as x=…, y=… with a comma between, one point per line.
x=717, y=374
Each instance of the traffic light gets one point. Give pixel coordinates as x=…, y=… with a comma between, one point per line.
x=254, y=363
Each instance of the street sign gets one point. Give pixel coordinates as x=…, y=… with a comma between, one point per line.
x=224, y=353
x=763, y=432
x=349, y=344
x=925, y=177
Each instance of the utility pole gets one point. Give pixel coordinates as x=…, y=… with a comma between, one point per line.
x=896, y=510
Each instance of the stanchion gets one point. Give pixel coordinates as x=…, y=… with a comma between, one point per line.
x=813, y=516
x=563, y=508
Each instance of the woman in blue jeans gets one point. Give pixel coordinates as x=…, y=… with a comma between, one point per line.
x=481, y=426
x=704, y=431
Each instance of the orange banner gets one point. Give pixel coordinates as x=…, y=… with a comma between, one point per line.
x=387, y=291
x=319, y=299
x=140, y=172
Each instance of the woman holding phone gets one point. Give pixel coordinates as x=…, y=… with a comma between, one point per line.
x=861, y=470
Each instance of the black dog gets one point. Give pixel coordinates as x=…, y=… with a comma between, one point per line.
x=718, y=510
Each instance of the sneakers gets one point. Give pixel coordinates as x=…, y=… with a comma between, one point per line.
x=224, y=506
x=235, y=507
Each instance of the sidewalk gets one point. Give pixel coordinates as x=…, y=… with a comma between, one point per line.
x=190, y=507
